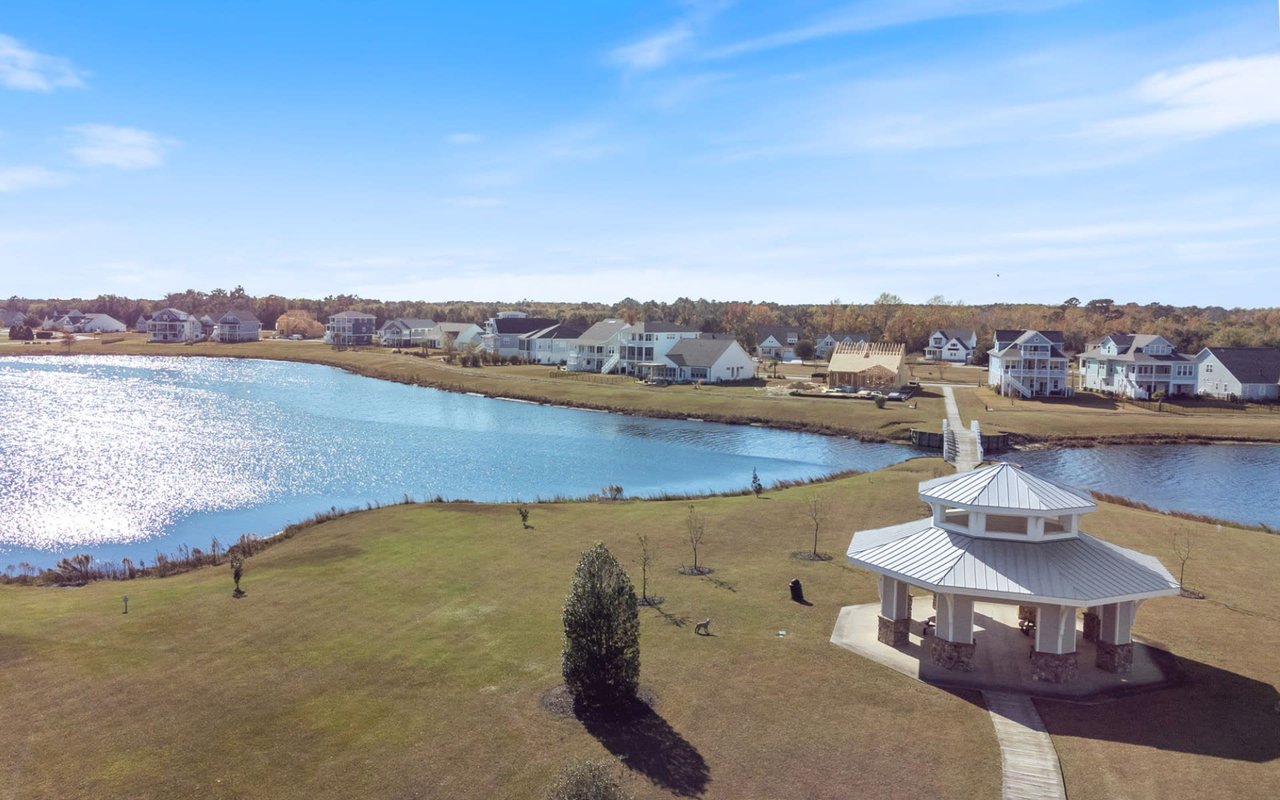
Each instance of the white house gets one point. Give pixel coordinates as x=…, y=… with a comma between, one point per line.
x=10, y=318
x=824, y=346
x=645, y=345
x=405, y=332
x=1249, y=373
x=143, y=323
x=1028, y=363
x=956, y=345
x=774, y=341
x=706, y=359
x=1136, y=365
x=454, y=334
x=237, y=326
x=598, y=349
x=502, y=333
x=550, y=345
x=75, y=322
x=172, y=325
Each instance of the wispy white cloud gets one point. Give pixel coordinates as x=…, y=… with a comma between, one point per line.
x=657, y=49
x=876, y=15
x=462, y=138
x=1203, y=100
x=115, y=146
x=26, y=70
x=16, y=179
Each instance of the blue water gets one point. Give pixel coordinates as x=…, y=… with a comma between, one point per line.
x=126, y=456
x=1238, y=482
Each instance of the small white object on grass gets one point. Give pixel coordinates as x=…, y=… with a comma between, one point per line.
x=782, y=633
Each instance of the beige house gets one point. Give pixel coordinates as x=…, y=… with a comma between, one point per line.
x=868, y=365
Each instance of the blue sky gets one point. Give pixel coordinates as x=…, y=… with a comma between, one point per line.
x=983, y=150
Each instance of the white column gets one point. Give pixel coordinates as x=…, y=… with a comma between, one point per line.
x=1055, y=629
x=1117, y=622
x=955, y=618
x=894, y=595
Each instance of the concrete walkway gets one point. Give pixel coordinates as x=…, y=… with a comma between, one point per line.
x=1028, y=760
x=967, y=449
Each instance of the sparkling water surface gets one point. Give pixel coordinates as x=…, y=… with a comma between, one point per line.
x=124, y=456
x=1238, y=482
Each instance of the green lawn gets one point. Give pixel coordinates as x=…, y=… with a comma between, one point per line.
x=403, y=652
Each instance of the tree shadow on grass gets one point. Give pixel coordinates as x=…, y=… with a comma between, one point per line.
x=647, y=744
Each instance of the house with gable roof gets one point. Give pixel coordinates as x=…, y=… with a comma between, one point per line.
x=1136, y=365
x=645, y=345
x=172, y=325
x=405, y=332
x=1028, y=364
x=824, y=346
x=350, y=329
x=868, y=365
x=709, y=359
x=1248, y=373
x=599, y=348
x=502, y=333
x=454, y=334
x=550, y=345
x=778, y=341
x=955, y=345
x=237, y=325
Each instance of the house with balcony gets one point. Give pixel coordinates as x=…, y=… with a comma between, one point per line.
x=954, y=345
x=350, y=329
x=237, y=326
x=1247, y=373
x=1136, y=365
x=502, y=333
x=405, y=332
x=645, y=346
x=599, y=348
x=173, y=325
x=1028, y=364
x=825, y=345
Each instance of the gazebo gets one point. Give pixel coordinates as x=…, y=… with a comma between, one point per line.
x=1001, y=535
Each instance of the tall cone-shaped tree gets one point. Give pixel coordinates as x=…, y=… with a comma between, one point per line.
x=601, y=658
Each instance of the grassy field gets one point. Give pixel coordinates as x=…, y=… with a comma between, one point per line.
x=403, y=652
x=1087, y=418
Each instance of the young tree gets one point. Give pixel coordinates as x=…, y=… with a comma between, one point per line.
x=646, y=559
x=756, y=486
x=805, y=350
x=816, y=508
x=696, y=527
x=1182, y=552
x=237, y=570
x=601, y=656
x=524, y=515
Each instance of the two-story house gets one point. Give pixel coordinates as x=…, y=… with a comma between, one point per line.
x=1136, y=365
x=457, y=335
x=350, y=329
x=172, y=325
x=1248, y=373
x=955, y=345
x=777, y=342
x=645, y=345
x=1028, y=364
x=237, y=325
x=550, y=345
x=599, y=348
x=825, y=345
x=405, y=332
x=502, y=333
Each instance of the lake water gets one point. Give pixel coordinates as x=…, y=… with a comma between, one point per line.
x=124, y=456
x=1239, y=482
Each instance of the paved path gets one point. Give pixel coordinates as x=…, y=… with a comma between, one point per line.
x=967, y=455
x=1029, y=762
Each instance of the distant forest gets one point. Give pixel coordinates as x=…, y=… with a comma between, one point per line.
x=887, y=319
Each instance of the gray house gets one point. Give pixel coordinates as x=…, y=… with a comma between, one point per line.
x=350, y=329
x=405, y=332
x=238, y=326
x=1250, y=373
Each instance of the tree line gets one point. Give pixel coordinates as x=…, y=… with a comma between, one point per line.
x=888, y=318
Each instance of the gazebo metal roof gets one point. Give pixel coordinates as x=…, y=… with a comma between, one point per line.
x=1006, y=487
x=1080, y=571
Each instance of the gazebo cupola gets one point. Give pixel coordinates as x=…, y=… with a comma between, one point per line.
x=1003, y=502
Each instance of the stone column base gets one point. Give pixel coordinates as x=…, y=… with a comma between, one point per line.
x=894, y=632
x=1092, y=626
x=952, y=655
x=1117, y=658
x=1054, y=667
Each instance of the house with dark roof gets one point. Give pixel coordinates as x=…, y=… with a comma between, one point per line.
x=1248, y=373
x=405, y=332
x=955, y=345
x=350, y=329
x=1028, y=364
x=550, y=345
x=705, y=359
x=645, y=345
x=502, y=333
x=599, y=348
x=237, y=325
x=172, y=325
x=778, y=341
x=824, y=346
x=1136, y=365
